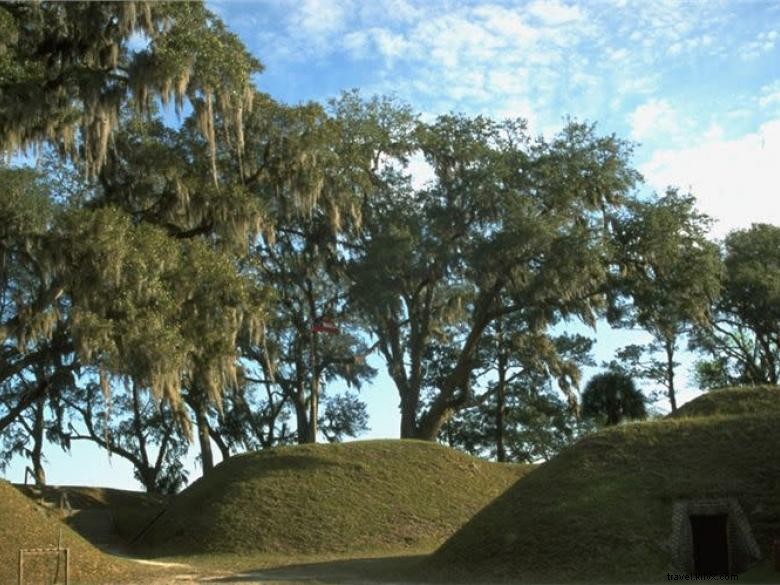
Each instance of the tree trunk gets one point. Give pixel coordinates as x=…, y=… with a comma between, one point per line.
x=37, y=452
x=446, y=402
x=408, y=418
x=314, y=407
x=302, y=419
x=224, y=449
x=314, y=388
x=148, y=478
x=25, y=401
x=670, y=374
x=206, y=455
x=500, y=395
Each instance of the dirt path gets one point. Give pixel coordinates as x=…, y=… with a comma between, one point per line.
x=374, y=571
x=384, y=570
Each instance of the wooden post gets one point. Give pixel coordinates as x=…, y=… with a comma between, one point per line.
x=21, y=568
x=67, y=566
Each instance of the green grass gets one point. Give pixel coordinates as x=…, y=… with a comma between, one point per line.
x=24, y=524
x=602, y=509
x=132, y=511
x=733, y=401
x=352, y=498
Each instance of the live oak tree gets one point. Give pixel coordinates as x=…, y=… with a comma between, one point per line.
x=301, y=157
x=125, y=298
x=670, y=272
x=741, y=342
x=254, y=415
x=509, y=226
x=31, y=329
x=66, y=68
x=25, y=436
x=37, y=364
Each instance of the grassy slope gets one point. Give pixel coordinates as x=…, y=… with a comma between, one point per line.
x=733, y=401
x=602, y=509
x=23, y=524
x=131, y=510
x=356, y=497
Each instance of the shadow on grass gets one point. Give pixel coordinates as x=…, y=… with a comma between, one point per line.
x=396, y=569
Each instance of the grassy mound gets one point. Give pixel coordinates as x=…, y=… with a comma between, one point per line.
x=131, y=510
x=602, y=509
x=359, y=497
x=23, y=524
x=733, y=401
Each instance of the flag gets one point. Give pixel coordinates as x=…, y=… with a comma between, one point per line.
x=324, y=325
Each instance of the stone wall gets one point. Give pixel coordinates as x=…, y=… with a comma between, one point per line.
x=743, y=549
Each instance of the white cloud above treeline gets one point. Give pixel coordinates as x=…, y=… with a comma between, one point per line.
x=736, y=181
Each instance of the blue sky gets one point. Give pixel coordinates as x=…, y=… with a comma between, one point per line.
x=696, y=84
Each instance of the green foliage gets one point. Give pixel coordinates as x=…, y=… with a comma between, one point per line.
x=519, y=415
x=670, y=270
x=510, y=225
x=344, y=415
x=538, y=424
x=671, y=274
x=741, y=340
x=66, y=69
x=611, y=397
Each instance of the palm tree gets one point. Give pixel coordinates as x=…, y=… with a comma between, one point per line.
x=611, y=397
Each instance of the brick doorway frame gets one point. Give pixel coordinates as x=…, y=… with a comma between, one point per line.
x=743, y=548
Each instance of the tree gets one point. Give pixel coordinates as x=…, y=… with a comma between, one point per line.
x=509, y=226
x=88, y=287
x=671, y=273
x=67, y=68
x=31, y=303
x=344, y=416
x=132, y=425
x=742, y=338
x=302, y=154
x=611, y=397
x=519, y=416
x=67, y=71
x=26, y=433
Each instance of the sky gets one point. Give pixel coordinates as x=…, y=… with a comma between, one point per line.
x=694, y=84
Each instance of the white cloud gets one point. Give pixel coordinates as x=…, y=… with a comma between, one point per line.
x=356, y=43
x=317, y=20
x=654, y=118
x=770, y=94
x=390, y=11
x=391, y=46
x=617, y=55
x=763, y=43
x=553, y=57
x=554, y=12
x=508, y=81
x=506, y=23
x=737, y=181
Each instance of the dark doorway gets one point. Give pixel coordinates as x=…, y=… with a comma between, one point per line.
x=710, y=544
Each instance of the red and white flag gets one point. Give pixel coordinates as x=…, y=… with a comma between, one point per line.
x=324, y=325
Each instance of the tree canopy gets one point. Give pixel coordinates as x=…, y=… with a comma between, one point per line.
x=232, y=272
